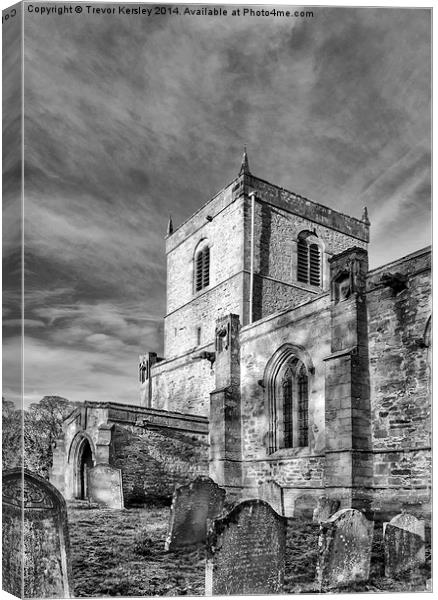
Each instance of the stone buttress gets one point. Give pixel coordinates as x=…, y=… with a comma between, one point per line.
x=225, y=458
x=348, y=461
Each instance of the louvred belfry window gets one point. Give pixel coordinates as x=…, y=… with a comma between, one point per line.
x=202, y=269
x=303, y=261
x=308, y=260
x=314, y=265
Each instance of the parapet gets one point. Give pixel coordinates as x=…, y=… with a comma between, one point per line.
x=303, y=207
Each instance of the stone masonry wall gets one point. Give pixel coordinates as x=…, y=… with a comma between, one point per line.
x=276, y=232
x=225, y=238
x=271, y=296
x=402, y=480
x=299, y=472
x=400, y=381
x=183, y=384
x=308, y=327
x=153, y=462
x=181, y=325
x=186, y=308
x=276, y=229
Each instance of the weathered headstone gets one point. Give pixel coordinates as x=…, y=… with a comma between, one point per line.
x=192, y=505
x=304, y=507
x=404, y=544
x=36, y=547
x=344, y=549
x=246, y=551
x=272, y=493
x=105, y=486
x=325, y=508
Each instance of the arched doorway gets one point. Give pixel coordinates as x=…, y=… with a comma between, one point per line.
x=84, y=464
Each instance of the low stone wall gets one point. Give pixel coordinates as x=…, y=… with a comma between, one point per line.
x=154, y=462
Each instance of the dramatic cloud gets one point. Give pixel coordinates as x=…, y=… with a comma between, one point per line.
x=129, y=119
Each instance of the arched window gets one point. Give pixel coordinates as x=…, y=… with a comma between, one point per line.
x=308, y=259
x=202, y=268
x=287, y=386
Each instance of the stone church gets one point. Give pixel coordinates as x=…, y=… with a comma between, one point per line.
x=286, y=360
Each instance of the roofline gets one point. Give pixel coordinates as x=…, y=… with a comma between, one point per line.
x=308, y=200
x=148, y=409
x=415, y=254
x=250, y=175
x=204, y=205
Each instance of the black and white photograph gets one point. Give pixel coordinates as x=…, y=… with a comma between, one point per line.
x=216, y=299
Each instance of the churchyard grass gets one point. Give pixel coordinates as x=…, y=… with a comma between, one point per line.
x=121, y=553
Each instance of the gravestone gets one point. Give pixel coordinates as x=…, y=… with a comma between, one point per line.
x=272, y=493
x=344, y=549
x=404, y=544
x=36, y=547
x=105, y=486
x=246, y=551
x=192, y=505
x=304, y=507
x=325, y=508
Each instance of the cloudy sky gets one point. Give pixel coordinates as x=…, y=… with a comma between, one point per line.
x=130, y=118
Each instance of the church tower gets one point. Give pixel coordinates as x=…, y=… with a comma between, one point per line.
x=251, y=250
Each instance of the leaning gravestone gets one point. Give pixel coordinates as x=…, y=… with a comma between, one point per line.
x=344, y=549
x=272, y=493
x=304, y=507
x=105, y=486
x=192, y=505
x=37, y=518
x=404, y=544
x=246, y=551
x=325, y=508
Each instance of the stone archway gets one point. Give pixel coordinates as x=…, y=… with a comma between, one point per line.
x=82, y=459
x=85, y=463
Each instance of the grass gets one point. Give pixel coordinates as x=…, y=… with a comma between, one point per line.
x=121, y=553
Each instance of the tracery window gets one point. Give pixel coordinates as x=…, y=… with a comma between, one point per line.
x=288, y=401
x=308, y=259
x=202, y=268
